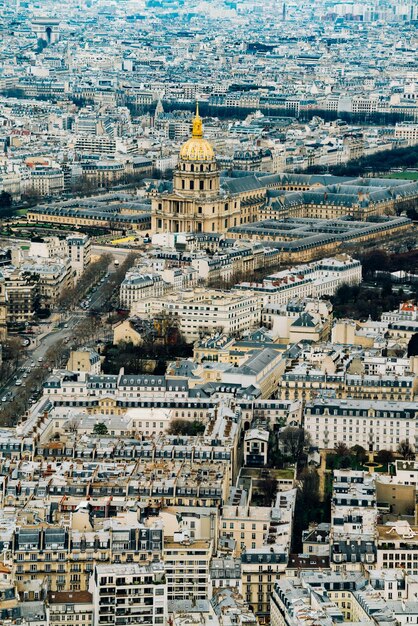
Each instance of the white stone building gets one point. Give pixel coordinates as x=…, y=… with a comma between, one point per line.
x=203, y=311
x=139, y=589
x=372, y=424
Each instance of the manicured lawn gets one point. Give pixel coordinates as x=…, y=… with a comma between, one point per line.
x=404, y=175
x=283, y=473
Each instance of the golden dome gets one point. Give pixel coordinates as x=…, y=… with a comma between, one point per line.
x=197, y=148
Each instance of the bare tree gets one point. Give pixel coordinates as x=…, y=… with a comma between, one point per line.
x=360, y=453
x=310, y=485
x=295, y=441
x=406, y=450
x=341, y=449
x=384, y=456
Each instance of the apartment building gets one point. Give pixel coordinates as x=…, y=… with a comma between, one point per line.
x=88, y=144
x=48, y=248
x=331, y=598
x=47, y=181
x=52, y=278
x=261, y=369
x=65, y=557
x=396, y=491
x=115, y=395
x=79, y=250
x=373, y=424
x=408, y=132
x=187, y=567
x=316, y=539
x=84, y=360
x=304, y=381
x=315, y=279
x=291, y=603
x=21, y=298
x=261, y=566
x=231, y=608
x=246, y=525
x=353, y=520
x=203, y=311
x=397, y=546
x=70, y=608
x=256, y=447
x=407, y=312
x=225, y=573
x=129, y=594
x=139, y=285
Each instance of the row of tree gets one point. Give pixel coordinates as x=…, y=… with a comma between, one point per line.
x=379, y=260
x=344, y=457
x=378, y=163
x=359, y=301
x=70, y=298
x=55, y=357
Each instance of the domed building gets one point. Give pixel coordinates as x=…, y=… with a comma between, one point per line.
x=196, y=204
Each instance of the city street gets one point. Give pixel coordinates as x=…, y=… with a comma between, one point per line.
x=65, y=331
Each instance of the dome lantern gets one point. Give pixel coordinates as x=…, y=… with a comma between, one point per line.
x=197, y=148
x=197, y=124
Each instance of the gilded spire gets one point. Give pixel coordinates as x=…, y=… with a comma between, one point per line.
x=197, y=124
x=197, y=148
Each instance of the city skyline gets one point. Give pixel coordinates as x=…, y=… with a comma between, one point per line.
x=208, y=312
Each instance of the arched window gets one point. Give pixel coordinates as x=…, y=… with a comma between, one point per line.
x=192, y=168
x=192, y=184
x=201, y=185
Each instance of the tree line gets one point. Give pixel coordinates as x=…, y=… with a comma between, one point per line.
x=378, y=163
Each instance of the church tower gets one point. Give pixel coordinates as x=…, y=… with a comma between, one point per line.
x=197, y=203
x=159, y=109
